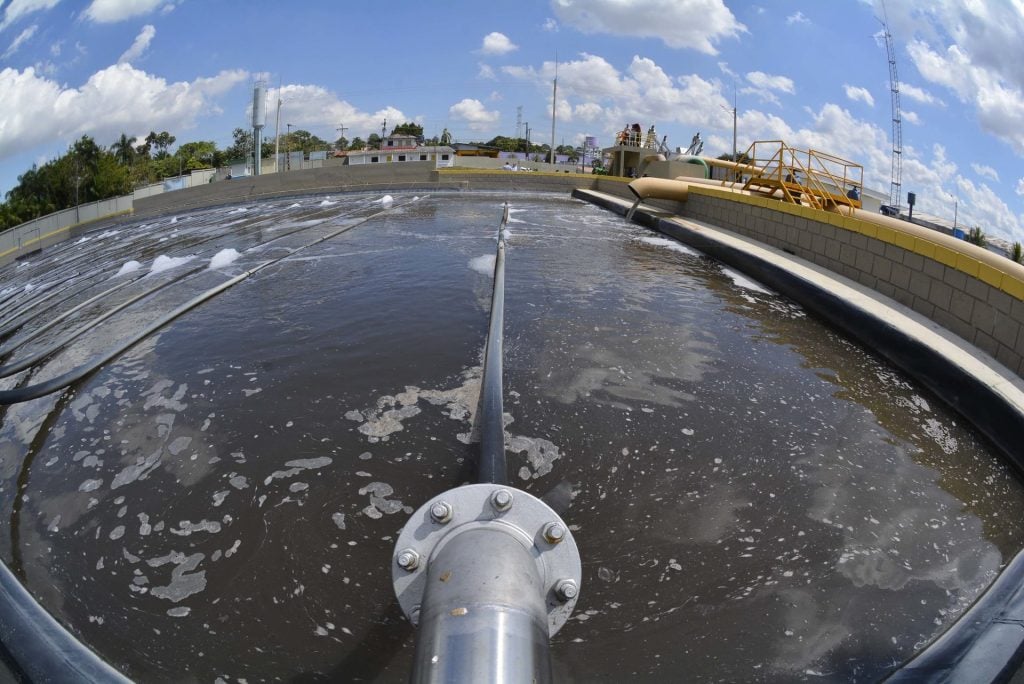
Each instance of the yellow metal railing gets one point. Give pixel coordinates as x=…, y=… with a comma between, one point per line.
x=810, y=177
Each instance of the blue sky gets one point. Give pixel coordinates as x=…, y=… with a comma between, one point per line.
x=812, y=73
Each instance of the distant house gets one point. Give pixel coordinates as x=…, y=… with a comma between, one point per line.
x=402, y=148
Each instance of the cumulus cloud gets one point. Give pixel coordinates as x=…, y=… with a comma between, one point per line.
x=985, y=171
x=601, y=93
x=920, y=95
x=16, y=9
x=797, y=18
x=1020, y=187
x=856, y=93
x=497, y=44
x=111, y=11
x=671, y=21
x=116, y=99
x=550, y=25
x=765, y=86
x=486, y=72
x=315, y=108
x=140, y=45
x=910, y=117
x=20, y=40
x=999, y=103
x=474, y=113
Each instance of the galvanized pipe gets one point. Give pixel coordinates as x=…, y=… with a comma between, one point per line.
x=483, y=617
x=492, y=467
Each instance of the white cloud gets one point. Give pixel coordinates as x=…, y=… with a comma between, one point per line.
x=486, y=72
x=985, y=171
x=55, y=48
x=674, y=22
x=497, y=44
x=140, y=45
x=724, y=68
x=20, y=40
x=110, y=11
x=550, y=25
x=856, y=93
x=19, y=8
x=116, y=99
x=981, y=206
x=999, y=104
x=1020, y=187
x=759, y=79
x=920, y=95
x=797, y=18
x=764, y=86
x=644, y=92
x=910, y=117
x=495, y=96
x=315, y=108
x=474, y=113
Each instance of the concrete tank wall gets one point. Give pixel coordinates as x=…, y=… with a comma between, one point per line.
x=978, y=302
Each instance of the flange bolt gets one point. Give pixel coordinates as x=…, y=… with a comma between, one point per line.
x=408, y=559
x=554, y=532
x=441, y=512
x=566, y=590
x=501, y=500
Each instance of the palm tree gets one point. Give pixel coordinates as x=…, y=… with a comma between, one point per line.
x=976, y=236
x=124, y=149
x=1017, y=253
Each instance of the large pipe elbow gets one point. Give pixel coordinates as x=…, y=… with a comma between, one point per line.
x=660, y=188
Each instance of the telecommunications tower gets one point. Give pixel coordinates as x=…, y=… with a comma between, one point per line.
x=897, y=132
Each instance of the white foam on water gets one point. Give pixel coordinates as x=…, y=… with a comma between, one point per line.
x=327, y=203
x=224, y=257
x=165, y=263
x=669, y=244
x=743, y=281
x=294, y=206
x=174, y=219
x=129, y=267
x=29, y=287
x=483, y=264
x=239, y=210
x=507, y=234
x=387, y=200
x=107, y=233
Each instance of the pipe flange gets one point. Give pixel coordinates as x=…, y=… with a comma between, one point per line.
x=528, y=519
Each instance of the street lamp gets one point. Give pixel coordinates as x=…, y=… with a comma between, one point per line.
x=956, y=206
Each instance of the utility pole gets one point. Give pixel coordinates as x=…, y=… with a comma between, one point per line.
x=519, y=123
x=277, y=132
x=554, y=110
x=527, y=124
x=383, y=132
x=341, y=130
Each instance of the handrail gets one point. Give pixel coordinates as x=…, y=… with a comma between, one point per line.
x=782, y=170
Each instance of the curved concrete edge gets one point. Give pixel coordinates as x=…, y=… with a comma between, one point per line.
x=986, y=644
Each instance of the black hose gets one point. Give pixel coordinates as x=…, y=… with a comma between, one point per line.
x=493, y=468
x=40, y=647
x=33, y=391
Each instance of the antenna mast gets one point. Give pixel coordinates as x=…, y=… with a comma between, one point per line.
x=897, y=132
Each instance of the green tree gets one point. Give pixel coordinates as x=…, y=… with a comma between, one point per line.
x=408, y=129
x=124, y=149
x=976, y=236
x=341, y=143
x=1017, y=253
x=357, y=143
x=373, y=141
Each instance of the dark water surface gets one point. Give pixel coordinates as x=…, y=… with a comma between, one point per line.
x=755, y=498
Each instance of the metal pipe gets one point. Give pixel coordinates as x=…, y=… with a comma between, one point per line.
x=483, y=617
x=492, y=468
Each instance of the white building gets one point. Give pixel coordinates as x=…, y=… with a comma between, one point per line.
x=403, y=148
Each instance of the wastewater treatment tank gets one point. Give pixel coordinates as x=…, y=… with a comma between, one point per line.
x=754, y=497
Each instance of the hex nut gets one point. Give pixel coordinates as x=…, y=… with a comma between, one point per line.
x=566, y=590
x=554, y=532
x=501, y=500
x=441, y=512
x=408, y=559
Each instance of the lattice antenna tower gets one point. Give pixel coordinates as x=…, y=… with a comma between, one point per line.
x=897, y=118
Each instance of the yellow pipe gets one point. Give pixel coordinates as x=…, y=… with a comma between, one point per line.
x=660, y=188
x=975, y=252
